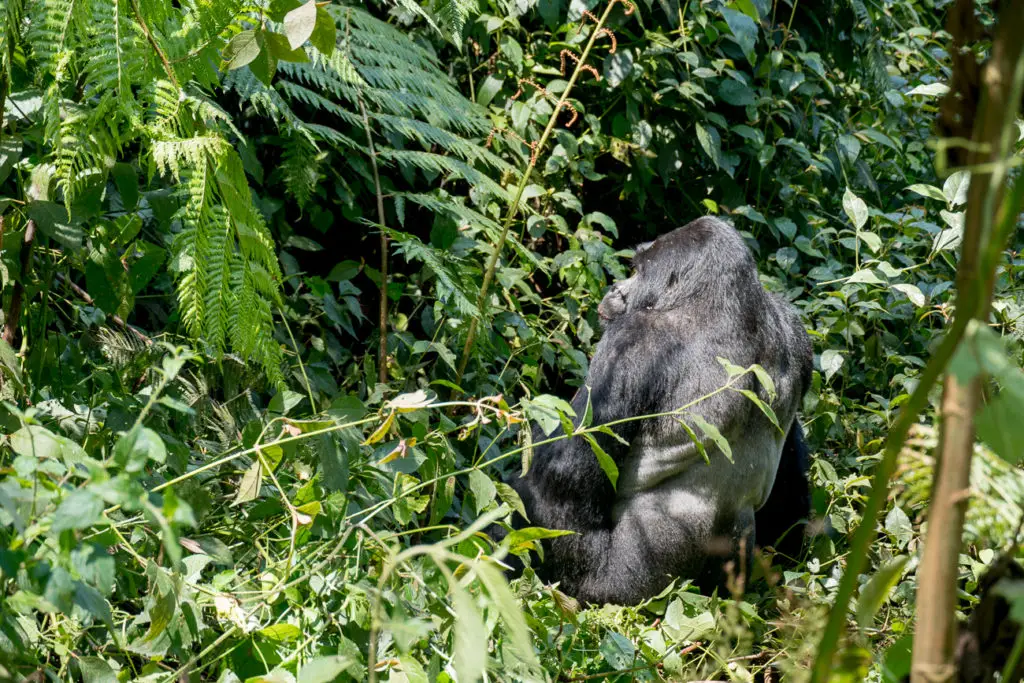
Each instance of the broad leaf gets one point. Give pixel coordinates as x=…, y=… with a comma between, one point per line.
x=300, y=23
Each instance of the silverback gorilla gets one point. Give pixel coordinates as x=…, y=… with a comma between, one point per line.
x=694, y=296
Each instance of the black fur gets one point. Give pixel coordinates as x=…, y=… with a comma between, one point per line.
x=695, y=296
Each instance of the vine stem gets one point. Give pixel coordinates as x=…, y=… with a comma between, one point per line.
x=492, y=261
x=382, y=351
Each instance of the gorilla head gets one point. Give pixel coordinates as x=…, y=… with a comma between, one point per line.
x=694, y=297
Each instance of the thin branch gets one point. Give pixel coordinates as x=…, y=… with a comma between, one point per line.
x=116, y=319
x=382, y=352
x=13, y=318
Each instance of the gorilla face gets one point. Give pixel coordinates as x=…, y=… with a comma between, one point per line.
x=616, y=300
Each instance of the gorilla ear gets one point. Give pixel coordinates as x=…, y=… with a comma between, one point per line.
x=641, y=248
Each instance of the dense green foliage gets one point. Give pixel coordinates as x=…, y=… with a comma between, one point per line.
x=204, y=475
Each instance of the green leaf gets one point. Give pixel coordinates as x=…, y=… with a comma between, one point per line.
x=929, y=191
x=546, y=410
x=10, y=154
x=736, y=93
x=325, y=669
x=731, y=369
x=249, y=487
x=930, y=90
x=523, y=539
x=443, y=497
x=1000, y=426
x=955, y=188
x=284, y=400
x=147, y=261
x=470, y=636
x=161, y=613
x=751, y=213
x=333, y=463
x=512, y=50
x=138, y=446
x=912, y=292
x=873, y=241
x=510, y=497
x=241, y=50
x=90, y=600
x=765, y=408
x=96, y=670
x=898, y=525
x=300, y=23
x=79, y=510
x=698, y=444
x=52, y=220
x=488, y=89
x=618, y=67
x=766, y=381
x=278, y=48
x=511, y=613
x=876, y=591
x=127, y=182
x=325, y=36
x=711, y=432
x=618, y=650
x=482, y=488
x=744, y=31
x=605, y=429
x=38, y=442
x=786, y=227
x=264, y=65
x=281, y=633
x=711, y=143
x=604, y=460
x=831, y=361
x=898, y=660
x=865, y=276
x=855, y=208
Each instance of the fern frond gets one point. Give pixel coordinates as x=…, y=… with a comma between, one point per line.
x=119, y=347
x=300, y=168
x=12, y=25
x=436, y=163
x=86, y=145
x=171, y=155
x=114, y=55
x=452, y=16
x=451, y=273
x=228, y=272
x=53, y=27
x=473, y=221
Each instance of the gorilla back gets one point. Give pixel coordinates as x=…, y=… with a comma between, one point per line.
x=694, y=296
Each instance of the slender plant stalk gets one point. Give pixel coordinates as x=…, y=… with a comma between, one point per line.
x=13, y=318
x=513, y=209
x=382, y=351
x=969, y=304
x=152, y=41
x=936, y=595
